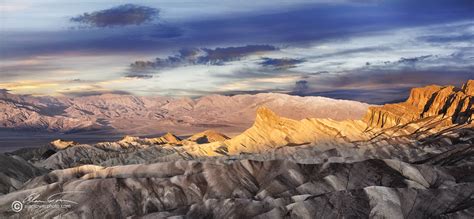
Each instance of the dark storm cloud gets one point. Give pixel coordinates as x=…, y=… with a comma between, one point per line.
x=194, y=56
x=281, y=63
x=128, y=14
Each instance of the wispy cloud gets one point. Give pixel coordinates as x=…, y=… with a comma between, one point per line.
x=195, y=56
x=123, y=15
x=94, y=93
x=281, y=63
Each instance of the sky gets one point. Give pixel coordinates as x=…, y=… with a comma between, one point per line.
x=367, y=50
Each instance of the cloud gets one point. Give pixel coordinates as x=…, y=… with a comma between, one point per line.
x=219, y=56
x=22, y=68
x=250, y=91
x=280, y=63
x=292, y=26
x=381, y=85
x=379, y=78
x=184, y=57
x=94, y=93
x=195, y=56
x=139, y=76
x=4, y=90
x=413, y=60
x=447, y=39
x=355, y=51
x=255, y=73
x=301, y=87
x=372, y=96
x=123, y=15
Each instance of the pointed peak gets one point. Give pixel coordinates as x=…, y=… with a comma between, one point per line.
x=129, y=139
x=61, y=144
x=265, y=113
x=171, y=138
x=468, y=88
x=208, y=136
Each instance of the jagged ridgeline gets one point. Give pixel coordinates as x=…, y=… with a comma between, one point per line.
x=407, y=160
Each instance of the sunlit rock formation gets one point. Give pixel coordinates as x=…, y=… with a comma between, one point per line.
x=453, y=104
x=207, y=136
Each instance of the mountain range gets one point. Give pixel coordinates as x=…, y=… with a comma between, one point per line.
x=413, y=159
x=126, y=114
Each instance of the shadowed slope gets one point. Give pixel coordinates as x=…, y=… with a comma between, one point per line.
x=251, y=188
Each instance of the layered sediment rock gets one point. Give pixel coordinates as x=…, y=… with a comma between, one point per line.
x=454, y=105
x=14, y=171
x=207, y=136
x=61, y=144
x=271, y=131
x=243, y=189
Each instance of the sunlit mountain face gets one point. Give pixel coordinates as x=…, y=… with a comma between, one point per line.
x=370, y=51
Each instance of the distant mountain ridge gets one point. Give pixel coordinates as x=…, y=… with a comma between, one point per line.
x=150, y=115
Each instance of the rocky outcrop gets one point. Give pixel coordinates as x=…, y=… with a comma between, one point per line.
x=207, y=136
x=468, y=88
x=243, y=189
x=272, y=131
x=167, y=138
x=454, y=105
x=61, y=144
x=14, y=171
